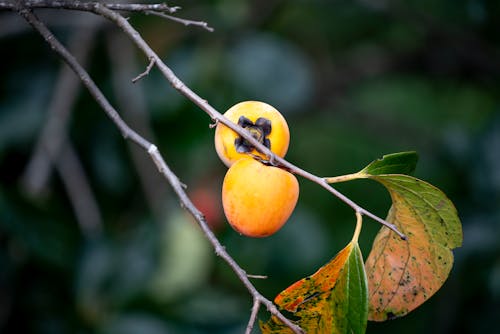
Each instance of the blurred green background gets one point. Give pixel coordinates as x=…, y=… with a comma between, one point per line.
x=92, y=240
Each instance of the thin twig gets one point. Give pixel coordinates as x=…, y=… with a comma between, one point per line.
x=130, y=134
x=146, y=72
x=253, y=316
x=201, y=24
x=257, y=276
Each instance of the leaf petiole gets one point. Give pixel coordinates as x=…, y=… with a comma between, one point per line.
x=344, y=178
x=357, y=230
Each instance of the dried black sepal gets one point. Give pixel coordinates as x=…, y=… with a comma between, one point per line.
x=259, y=130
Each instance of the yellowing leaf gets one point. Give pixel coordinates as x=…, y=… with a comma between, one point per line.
x=403, y=274
x=332, y=300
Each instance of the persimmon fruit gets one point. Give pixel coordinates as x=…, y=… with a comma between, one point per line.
x=258, y=199
x=264, y=122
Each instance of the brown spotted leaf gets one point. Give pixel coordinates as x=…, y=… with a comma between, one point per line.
x=332, y=300
x=404, y=274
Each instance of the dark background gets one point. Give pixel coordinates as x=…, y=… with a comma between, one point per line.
x=355, y=80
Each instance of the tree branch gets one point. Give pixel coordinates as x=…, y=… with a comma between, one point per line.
x=217, y=117
x=160, y=10
x=130, y=134
x=253, y=316
x=88, y=5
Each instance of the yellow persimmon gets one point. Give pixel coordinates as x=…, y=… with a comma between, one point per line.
x=258, y=199
x=265, y=123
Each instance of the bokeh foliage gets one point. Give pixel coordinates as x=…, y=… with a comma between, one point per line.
x=355, y=80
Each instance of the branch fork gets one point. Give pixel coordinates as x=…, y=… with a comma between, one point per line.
x=146, y=72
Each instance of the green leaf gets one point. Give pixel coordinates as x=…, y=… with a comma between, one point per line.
x=404, y=274
x=395, y=163
x=332, y=300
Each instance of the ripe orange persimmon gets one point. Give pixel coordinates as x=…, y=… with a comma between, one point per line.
x=264, y=122
x=258, y=199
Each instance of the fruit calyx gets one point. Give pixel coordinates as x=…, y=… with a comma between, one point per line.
x=259, y=130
